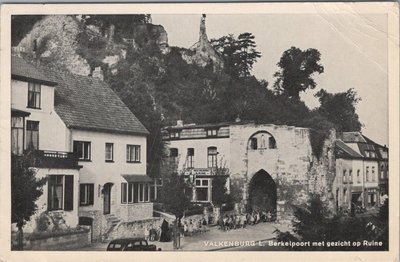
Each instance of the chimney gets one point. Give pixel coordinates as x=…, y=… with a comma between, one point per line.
x=98, y=73
x=238, y=120
x=179, y=123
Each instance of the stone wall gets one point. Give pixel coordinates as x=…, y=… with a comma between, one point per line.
x=323, y=172
x=136, y=211
x=68, y=241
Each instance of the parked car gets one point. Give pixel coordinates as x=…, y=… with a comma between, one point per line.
x=131, y=244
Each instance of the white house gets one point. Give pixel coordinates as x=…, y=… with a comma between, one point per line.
x=93, y=149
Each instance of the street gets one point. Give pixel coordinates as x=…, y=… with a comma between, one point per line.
x=251, y=238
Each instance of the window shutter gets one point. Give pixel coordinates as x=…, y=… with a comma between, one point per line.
x=91, y=194
x=81, y=194
x=69, y=193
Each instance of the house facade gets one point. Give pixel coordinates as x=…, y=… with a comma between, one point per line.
x=92, y=148
x=261, y=161
x=361, y=172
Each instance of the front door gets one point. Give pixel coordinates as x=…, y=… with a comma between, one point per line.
x=107, y=198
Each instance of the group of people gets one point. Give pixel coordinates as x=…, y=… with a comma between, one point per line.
x=186, y=227
x=161, y=233
x=241, y=220
x=191, y=227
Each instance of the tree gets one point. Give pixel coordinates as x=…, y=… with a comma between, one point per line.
x=340, y=109
x=239, y=53
x=219, y=191
x=25, y=190
x=313, y=222
x=175, y=194
x=296, y=70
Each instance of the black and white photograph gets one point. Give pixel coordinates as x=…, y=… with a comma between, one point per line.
x=201, y=130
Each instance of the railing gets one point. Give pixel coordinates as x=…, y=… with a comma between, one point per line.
x=54, y=159
x=206, y=171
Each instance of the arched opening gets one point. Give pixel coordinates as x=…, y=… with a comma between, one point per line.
x=261, y=140
x=262, y=193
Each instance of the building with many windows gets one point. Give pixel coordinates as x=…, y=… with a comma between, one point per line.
x=91, y=147
x=361, y=172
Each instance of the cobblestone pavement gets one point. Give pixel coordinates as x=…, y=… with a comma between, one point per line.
x=214, y=239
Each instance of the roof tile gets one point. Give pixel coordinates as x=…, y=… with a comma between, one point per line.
x=86, y=103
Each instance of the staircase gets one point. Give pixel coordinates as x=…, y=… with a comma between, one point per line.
x=112, y=222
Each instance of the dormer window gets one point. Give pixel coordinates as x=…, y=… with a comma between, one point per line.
x=212, y=132
x=34, y=95
x=174, y=134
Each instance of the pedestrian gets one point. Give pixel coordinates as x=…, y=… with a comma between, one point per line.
x=190, y=228
x=164, y=231
x=252, y=220
x=146, y=232
x=185, y=228
x=225, y=223
x=153, y=233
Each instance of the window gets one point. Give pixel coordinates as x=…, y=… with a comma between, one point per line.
x=212, y=132
x=82, y=150
x=132, y=153
x=253, y=143
x=358, y=176
x=34, y=95
x=271, y=142
x=109, y=152
x=124, y=192
x=174, y=134
x=86, y=194
x=345, y=195
x=202, y=189
x=190, y=155
x=173, y=152
x=32, y=134
x=141, y=192
x=17, y=135
x=382, y=172
x=212, y=156
x=367, y=173
x=135, y=193
x=60, y=192
x=373, y=173
x=350, y=176
x=344, y=176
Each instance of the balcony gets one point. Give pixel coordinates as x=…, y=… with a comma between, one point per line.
x=205, y=172
x=54, y=159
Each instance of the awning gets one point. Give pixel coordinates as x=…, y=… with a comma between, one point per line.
x=137, y=178
x=18, y=112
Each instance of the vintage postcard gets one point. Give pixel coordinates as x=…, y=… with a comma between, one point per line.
x=201, y=131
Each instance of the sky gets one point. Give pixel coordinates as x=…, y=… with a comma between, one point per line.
x=353, y=51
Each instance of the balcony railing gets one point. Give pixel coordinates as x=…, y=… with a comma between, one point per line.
x=54, y=159
x=206, y=171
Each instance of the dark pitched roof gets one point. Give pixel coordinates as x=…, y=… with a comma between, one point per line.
x=22, y=70
x=87, y=103
x=344, y=151
x=352, y=137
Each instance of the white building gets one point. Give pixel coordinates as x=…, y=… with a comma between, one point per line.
x=361, y=169
x=92, y=148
